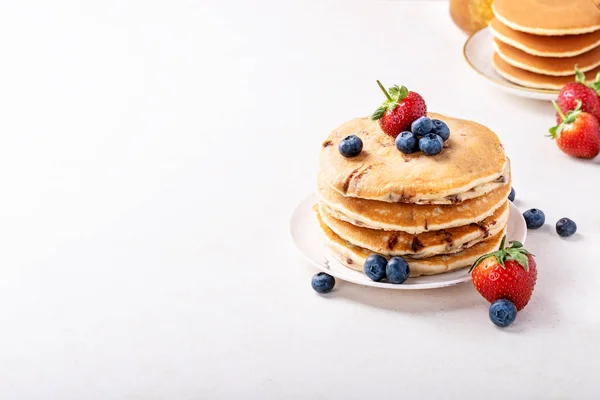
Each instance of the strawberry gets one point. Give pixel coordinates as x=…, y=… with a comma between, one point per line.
x=399, y=110
x=578, y=133
x=509, y=273
x=589, y=94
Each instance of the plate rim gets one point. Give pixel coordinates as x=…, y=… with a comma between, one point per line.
x=506, y=84
x=381, y=285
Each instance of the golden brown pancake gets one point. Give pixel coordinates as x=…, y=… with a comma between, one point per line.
x=427, y=244
x=410, y=218
x=472, y=160
x=549, y=17
x=354, y=257
x=533, y=80
x=546, y=46
x=548, y=65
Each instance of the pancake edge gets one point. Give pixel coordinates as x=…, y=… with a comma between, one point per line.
x=342, y=254
x=533, y=52
x=352, y=218
x=544, y=32
x=525, y=84
x=441, y=198
x=526, y=67
x=439, y=249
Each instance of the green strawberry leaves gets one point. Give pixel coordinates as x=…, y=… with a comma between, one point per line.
x=571, y=116
x=520, y=258
x=393, y=95
x=580, y=78
x=515, y=252
x=398, y=93
x=596, y=84
x=379, y=112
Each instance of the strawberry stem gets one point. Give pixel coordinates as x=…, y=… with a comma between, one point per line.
x=559, y=111
x=384, y=91
x=515, y=252
x=579, y=76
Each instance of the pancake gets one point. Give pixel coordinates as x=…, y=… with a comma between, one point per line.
x=548, y=65
x=427, y=244
x=354, y=257
x=549, y=17
x=546, y=46
x=410, y=218
x=472, y=159
x=533, y=80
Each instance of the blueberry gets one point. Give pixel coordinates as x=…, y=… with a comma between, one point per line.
x=431, y=144
x=503, y=313
x=534, y=218
x=323, y=283
x=421, y=126
x=512, y=194
x=375, y=267
x=566, y=227
x=441, y=129
x=397, y=270
x=407, y=143
x=350, y=146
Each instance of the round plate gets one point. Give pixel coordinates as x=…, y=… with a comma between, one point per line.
x=478, y=51
x=308, y=238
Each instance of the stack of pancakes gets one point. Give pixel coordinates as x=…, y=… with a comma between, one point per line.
x=539, y=42
x=440, y=213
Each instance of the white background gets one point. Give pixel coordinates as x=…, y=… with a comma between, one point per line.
x=151, y=156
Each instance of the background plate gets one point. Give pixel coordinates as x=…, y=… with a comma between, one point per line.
x=478, y=51
x=308, y=238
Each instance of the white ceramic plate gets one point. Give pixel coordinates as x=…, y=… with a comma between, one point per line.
x=307, y=237
x=478, y=52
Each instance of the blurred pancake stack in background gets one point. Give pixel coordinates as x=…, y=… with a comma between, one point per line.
x=539, y=42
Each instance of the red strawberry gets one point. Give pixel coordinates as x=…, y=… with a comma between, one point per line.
x=509, y=273
x=399, y=110
x=578, y=134
x=589, y=94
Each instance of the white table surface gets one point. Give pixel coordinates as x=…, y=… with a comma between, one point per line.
x=152, y=155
